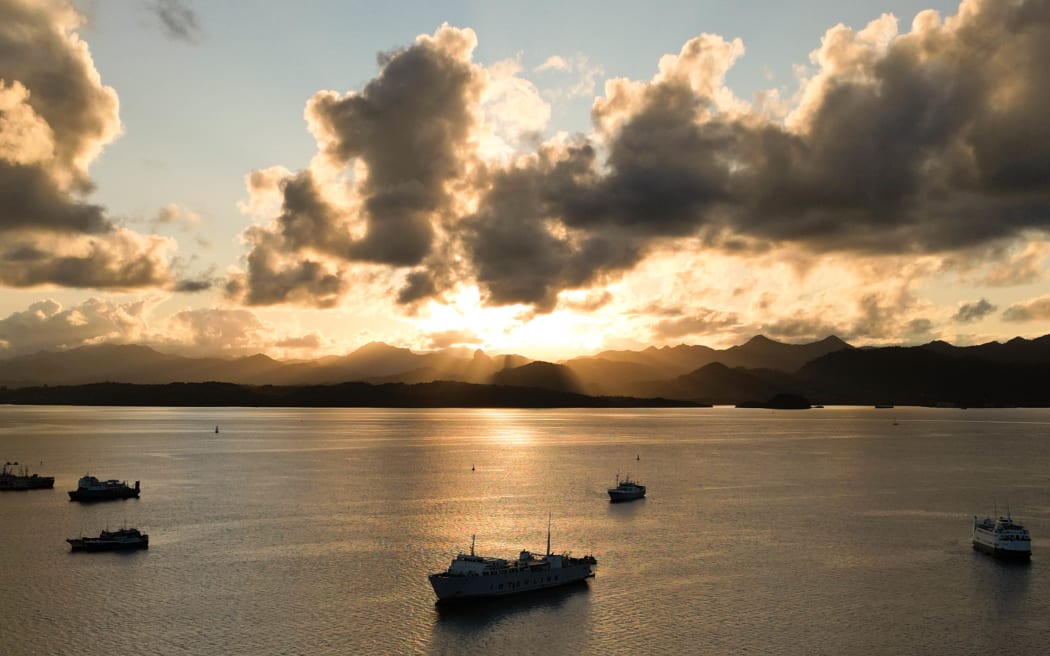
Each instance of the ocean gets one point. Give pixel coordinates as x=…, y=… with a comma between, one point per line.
x=312, y=531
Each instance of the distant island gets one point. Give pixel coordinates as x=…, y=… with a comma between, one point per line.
x=345, y=395
x=755, y=373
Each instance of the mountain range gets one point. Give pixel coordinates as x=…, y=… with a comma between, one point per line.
x=827, y=371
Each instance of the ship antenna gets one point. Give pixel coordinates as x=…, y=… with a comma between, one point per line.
x=548, y=534
x=472, y=544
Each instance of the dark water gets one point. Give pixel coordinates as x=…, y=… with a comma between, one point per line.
x=829, y=531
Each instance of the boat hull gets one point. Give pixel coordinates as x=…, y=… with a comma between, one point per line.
x=103, y=495
x=1004, y=554
x=617, y=496
x=465, y=588
x=28, y=483
x=106, y=545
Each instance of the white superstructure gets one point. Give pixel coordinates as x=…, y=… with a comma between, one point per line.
x=471, y=576
x=1002, y=537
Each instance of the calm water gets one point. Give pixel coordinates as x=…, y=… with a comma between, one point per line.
x=830, y=531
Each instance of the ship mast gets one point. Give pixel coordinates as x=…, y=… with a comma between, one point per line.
x=548, y=534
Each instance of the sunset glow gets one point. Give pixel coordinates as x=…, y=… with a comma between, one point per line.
x=874, y=172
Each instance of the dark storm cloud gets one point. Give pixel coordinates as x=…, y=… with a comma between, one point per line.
x=177, y=19
x=970, y=312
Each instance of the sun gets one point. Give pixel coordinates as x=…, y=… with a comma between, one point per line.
x=560, y=334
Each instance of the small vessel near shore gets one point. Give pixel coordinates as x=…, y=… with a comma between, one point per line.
x=626, y=490
x=21, y=479
x=90, y=488
x=472, y=577
x=122, y=540
x=1002, y=538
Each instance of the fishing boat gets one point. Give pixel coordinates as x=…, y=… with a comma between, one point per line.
x=90, y=488
x=21, y=479
x=122, y=540
x=472, y=577
x=626, y=490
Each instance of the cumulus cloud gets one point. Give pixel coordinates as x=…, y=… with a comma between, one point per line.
x=56, y=116
x=406, y=138
x=1036, y=309
x=48, y=326
x=898, y=143
x=177, y=19
x=970, y=312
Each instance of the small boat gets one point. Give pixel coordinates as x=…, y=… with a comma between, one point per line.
x=472, y=577
x=21, y=479
x=90, y=488
x=626, y=490
x=1002, y=538
x=122, y=540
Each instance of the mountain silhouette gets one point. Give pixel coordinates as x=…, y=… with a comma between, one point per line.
x=993, y=374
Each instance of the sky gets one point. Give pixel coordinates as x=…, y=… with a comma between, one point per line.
x=542, y=178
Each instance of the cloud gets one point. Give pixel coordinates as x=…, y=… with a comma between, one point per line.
x=199, y=332
x=177, y=19
x=406, y=138
x=56, y=116
x=172, y=214
x=449, y=338
x=702, y=321
x=309, y=341
x=586, y=76
x=118, y=259
x=970, y=312
x=897, y=144
x=45, y=325
x=1036, y=309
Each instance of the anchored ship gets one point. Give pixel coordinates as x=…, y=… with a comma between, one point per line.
x=626, y=490
x=475, y=577
x=1003, y=538
x=90, y=488
x=21, y=479
x=122, y=540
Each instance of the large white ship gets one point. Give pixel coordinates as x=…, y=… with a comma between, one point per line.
x=1003, y=538
x=474, y=577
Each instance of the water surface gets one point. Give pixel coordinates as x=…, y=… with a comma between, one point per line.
x=832, y=531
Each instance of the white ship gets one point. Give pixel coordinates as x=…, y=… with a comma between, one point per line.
x=475, y=577
x=1003, y=538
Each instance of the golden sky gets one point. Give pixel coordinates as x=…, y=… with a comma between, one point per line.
x=878, y=175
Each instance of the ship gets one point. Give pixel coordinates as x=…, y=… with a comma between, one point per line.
x=473, y=577
x=90, y=488
x=122, y=540
x=1002, y=538
x=21, y=479
x=626, y=490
